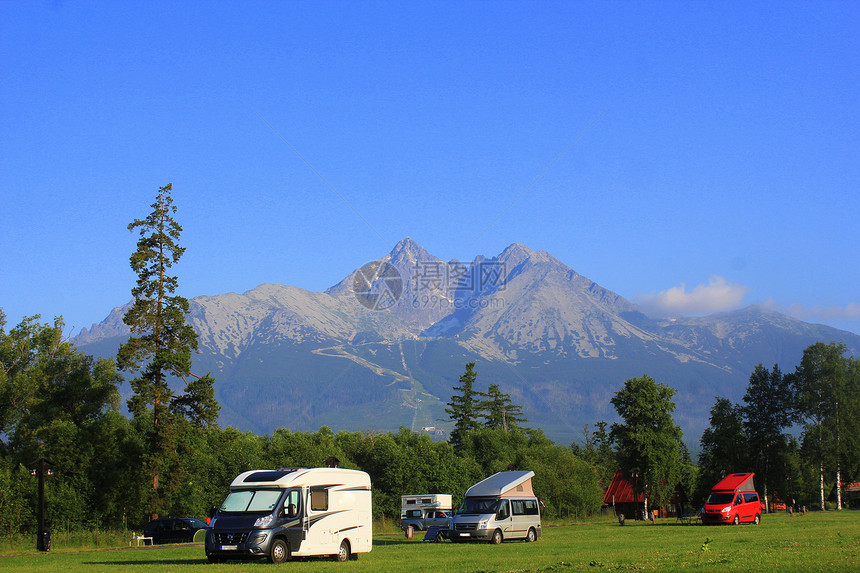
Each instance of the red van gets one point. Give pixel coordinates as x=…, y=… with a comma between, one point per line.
x=733, y=500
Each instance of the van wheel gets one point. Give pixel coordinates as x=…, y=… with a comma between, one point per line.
x=756, y=519
x=343, y=553
x=279, y=551
x=531, y=536
x=497, y=537
x=736, y=520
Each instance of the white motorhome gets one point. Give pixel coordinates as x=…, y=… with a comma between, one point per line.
x=293, y=512
x=497, y=509
x=425, y=510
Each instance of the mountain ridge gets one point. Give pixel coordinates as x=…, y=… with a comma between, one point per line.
x=384, y=346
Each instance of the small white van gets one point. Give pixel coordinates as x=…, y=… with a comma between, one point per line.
x=279, y=514
x=499, y=508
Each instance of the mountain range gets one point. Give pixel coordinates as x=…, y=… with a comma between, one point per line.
x=384, y=347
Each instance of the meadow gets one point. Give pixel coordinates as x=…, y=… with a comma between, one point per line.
x=821, y=541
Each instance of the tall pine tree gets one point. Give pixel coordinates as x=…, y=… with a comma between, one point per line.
x=464, y=407
x=161, y=336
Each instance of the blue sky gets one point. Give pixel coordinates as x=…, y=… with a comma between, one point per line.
x=691, y=156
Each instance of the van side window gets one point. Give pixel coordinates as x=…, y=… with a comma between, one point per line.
x=739, y=499
x=524, y=507
x=518, y=507
x=319, y=499
x=750, y=497
x=531, y=507
x=504, y=510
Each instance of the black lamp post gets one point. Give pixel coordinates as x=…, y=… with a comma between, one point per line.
x=41, y=468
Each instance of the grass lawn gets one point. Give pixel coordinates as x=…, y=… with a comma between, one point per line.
x=828, y=541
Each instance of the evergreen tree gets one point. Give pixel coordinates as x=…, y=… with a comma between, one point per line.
x=768, y=411
x=598, y=451
x=499, y=411
x=161, y=336
x=464, y=408
x=724, y=446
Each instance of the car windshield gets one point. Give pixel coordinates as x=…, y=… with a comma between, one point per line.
x=251, y=501
x=720, y=498
x=479, y=505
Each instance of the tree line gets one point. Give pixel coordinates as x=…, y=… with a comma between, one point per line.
x=62, y=405
x=171, y=458
x=799, y=431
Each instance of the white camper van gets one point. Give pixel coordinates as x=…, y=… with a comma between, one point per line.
x=289, y=512
x=497, y=509
x=424, y=511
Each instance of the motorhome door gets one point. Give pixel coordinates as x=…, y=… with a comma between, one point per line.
x=306, y=518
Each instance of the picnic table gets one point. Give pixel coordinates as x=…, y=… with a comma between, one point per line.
x=139, y=538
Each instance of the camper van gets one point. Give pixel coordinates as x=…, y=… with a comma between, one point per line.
x=733, y=500
x=424, y=511
x=499, y=508
x=293, y=512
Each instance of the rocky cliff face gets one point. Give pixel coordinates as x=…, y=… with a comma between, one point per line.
x=384, y=347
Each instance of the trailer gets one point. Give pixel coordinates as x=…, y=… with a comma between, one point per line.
x=424, y=511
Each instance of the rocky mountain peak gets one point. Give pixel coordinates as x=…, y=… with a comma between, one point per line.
x=517, y=253
x=408, y=251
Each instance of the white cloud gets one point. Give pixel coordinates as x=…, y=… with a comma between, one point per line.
x=715, y=296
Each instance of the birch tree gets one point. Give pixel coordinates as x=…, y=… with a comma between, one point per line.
x=826, y=403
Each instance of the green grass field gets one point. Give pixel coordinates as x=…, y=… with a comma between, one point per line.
x=817, y=542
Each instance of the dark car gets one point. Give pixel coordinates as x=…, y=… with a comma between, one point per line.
x=173, y=529
x=421, y=520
